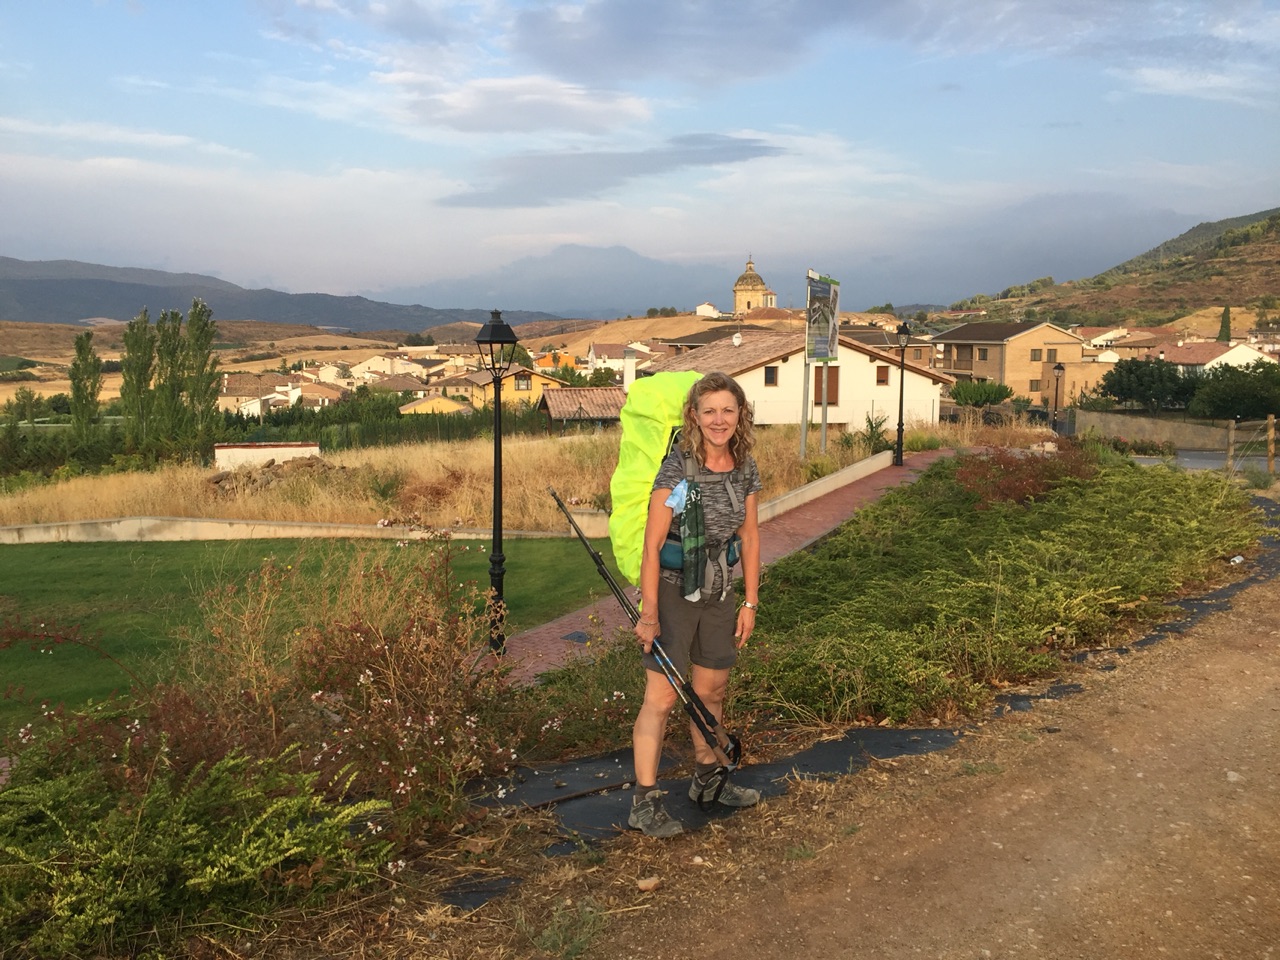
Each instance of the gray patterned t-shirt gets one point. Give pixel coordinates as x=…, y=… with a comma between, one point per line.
x=719, y=518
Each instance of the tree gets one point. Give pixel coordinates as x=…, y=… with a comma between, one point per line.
x=601, y=377
x=569, y=375
x=1224, y=329
x=1153, y=383
x=202, y=379
x=137, y=365
x=170, y=381
x=25, y=405
x=86, y=385
x=517, y=355
x=979, y=393
x=1250, y=393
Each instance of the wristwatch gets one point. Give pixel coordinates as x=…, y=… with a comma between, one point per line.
x=750, y=606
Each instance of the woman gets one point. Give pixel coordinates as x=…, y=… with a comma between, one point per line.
x=700, y=624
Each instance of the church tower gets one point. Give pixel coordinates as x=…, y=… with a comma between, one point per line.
x=750, y=291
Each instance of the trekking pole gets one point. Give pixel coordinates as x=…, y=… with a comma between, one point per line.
x=726, y=746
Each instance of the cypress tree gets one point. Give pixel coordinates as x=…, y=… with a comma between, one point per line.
x=1224, y=331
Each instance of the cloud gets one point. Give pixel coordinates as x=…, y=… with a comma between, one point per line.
x=540, y=179
x=92, y=132
x=515, y=105
x=712, y=42
x=1203, y=84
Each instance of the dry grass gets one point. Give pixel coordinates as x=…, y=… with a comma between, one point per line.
x=443, y=485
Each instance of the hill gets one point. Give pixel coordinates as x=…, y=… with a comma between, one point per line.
x=71, y=292
x=1232, y=263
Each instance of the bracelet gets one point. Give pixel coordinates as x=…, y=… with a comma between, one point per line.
x=750, y=606
x=650, y=623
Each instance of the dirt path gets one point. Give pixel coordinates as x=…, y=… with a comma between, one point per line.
x=1140, y=818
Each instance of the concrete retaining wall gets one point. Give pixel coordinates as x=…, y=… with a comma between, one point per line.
x=228, y=456
x=1184, y=436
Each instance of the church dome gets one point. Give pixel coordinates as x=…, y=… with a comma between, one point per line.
x=750, y=280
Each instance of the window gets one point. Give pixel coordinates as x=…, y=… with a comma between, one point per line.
x=917, y=354
x=982, y=353
x=1035, y=386
x=1036, y=355
x=882, y=376
x=833, y=385
x=770, y=376
x=1053, y=355
x=524, y=381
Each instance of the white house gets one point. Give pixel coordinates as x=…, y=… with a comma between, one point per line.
x=1207, y=354
x=861, y=382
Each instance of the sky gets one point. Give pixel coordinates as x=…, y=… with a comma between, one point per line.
x=920, y=151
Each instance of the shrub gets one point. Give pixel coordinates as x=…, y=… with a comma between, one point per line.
x=1010, y=475
x=109, y=846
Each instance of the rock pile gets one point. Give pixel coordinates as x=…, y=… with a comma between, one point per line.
x=251, y=479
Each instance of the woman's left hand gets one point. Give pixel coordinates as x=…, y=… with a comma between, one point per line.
x=746, y=625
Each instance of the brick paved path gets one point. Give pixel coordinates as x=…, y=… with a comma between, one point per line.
x=542, y=648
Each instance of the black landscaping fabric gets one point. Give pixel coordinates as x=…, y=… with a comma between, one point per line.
x=591, y=798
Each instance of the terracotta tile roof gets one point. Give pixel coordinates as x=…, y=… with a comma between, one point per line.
x=583, y=403
x=712, y=334
x=758, y=349
x=399, y=382
x=1189, y=354
x=993, y=331
x=252, y=384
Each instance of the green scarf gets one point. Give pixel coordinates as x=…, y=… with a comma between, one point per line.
x=693, y=539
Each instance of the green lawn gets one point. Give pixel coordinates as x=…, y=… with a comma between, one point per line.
x=134, y=597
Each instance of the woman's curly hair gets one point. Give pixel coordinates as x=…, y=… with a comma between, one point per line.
x=744, y=437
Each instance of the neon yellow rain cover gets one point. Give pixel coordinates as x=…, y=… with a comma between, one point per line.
x=654, y=407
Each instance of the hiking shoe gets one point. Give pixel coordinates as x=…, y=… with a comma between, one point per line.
x=731, y=795
x=651, y=819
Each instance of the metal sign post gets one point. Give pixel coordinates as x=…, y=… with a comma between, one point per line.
x=821, y=342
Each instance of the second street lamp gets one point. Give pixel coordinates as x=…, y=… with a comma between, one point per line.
x=497, y=342
x=904, y=337
x=1058, y=371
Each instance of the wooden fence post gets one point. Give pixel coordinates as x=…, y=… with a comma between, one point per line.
x=1271, y=444
x=1231, y=445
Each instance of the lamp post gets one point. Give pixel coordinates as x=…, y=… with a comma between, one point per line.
x=1058, y=371
x=904, y=337
x=496, y=341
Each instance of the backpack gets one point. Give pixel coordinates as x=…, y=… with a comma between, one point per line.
x=651, y=420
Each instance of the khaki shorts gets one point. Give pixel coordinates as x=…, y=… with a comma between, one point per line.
x=699, y=633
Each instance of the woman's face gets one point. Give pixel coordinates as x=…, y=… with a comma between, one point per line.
x=717, y=415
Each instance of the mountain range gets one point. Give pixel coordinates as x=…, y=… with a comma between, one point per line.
x=595, y=280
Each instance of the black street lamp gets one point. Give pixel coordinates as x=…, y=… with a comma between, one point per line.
x=1058, y=371
x=904, y=337
x=497, y=343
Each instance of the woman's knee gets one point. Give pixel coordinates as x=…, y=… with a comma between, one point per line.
x=660, y=699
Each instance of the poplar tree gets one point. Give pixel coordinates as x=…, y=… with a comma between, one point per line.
x=169, y=413
x=137, y=366
x=86, y=385
x=202, y=379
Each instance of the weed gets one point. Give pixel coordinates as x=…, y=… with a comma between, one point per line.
x=801, y=851
x=570, y=931
x=970, y=769
x=1257, y=478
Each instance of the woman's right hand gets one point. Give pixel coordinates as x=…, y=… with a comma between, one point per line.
x=646, y=631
